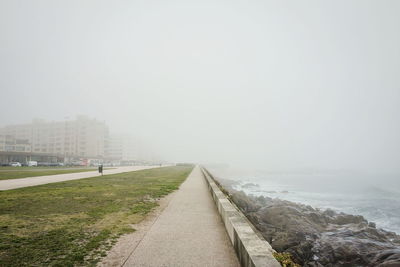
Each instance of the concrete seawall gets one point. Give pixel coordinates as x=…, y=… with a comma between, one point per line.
x=249, y=247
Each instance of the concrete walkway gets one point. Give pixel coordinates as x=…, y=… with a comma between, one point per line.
x=189, y=232
x=32, y=181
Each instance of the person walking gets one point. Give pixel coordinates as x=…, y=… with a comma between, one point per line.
x=101, y=169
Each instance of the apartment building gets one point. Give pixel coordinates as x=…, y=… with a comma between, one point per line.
x=122, y=147
x=83, y=137
x=129, y=150
x=11, y=144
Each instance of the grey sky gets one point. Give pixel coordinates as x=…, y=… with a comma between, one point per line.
x=272, y=84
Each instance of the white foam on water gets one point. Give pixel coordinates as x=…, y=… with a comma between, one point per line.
x=378, y=204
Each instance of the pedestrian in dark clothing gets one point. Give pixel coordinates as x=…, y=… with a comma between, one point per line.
x=101, y=169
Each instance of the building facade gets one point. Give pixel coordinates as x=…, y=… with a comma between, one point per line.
x=80, y=138
x=11, y=144
x=126, y=149
x=122, y=147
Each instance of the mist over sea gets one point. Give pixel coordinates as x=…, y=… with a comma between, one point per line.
x=376, y=197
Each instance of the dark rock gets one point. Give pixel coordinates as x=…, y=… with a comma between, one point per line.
x=244, y=202
x=319, y=238
x=346, y=219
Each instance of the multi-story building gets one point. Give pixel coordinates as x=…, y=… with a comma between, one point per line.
x=115, y=147
x=79, y=138
x=122, y=147
x=11, y=144
x=126, y=149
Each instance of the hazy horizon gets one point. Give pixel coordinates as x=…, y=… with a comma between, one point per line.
x=259, y=84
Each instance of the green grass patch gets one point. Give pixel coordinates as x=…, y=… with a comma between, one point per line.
x=285, y=259
x=23, y=172
x=74, y=223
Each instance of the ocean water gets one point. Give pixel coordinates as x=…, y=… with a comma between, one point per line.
x=375, y=197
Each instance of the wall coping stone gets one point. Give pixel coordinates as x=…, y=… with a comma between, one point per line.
x=251, y=249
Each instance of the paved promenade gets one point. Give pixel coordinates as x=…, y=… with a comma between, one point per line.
x=189, y=232
x=32, y=181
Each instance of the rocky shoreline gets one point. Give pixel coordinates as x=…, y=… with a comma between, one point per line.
x=317, y=238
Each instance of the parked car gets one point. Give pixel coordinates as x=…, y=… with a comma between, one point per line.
x=32, y=163
x=50, y=164
x=15, y=164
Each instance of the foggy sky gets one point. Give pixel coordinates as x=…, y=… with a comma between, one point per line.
x=266, y=84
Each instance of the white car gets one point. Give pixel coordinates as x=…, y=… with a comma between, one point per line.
x=15, y=164
x=32, y=163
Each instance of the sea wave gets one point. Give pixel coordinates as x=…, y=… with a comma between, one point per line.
x=314, y=237
x=376, y=204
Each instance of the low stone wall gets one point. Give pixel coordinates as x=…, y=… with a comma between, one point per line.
x=250, y=248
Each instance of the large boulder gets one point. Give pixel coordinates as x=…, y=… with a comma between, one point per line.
x=319, y=238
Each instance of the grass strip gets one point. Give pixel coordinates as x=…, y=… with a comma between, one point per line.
x=74, y=223
x=23, y=173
